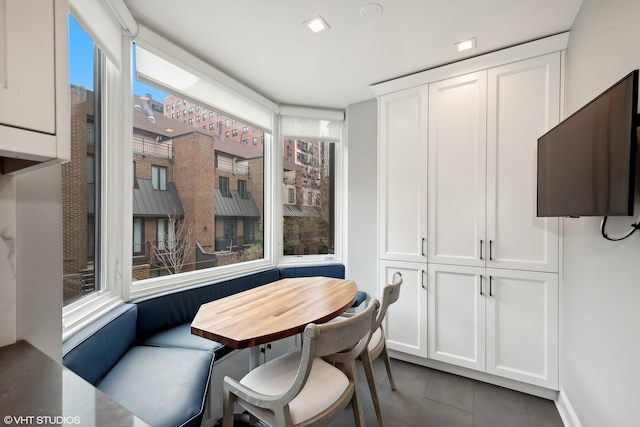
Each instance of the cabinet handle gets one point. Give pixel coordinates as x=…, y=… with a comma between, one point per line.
x=481, y=245
x=490, y=286
x=422, y=246
x=422, y=279
x=481, y=281
x=490, y=250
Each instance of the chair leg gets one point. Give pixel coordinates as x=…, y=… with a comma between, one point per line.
x=387, y=364
x=356, y=403
x=368, y=370
x=228, y=405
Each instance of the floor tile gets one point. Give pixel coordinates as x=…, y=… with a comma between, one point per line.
x=542, y=412
x=498, y=407
x=436, y=414
x=451, y=390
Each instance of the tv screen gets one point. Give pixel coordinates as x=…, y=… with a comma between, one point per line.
x=586, y=164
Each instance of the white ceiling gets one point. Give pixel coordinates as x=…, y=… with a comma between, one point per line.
x=265, y=45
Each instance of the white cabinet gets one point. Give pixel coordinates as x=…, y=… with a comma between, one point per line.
x=405, y=324
x=402, y=175
x=502, y=322
x=33, y=82
x=279, y=348
x=457, y=169
x=483, y=130
x=522, y=326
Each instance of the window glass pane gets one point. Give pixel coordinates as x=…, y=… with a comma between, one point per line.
x=206, y=221
x=81, y=175
x=308, y=209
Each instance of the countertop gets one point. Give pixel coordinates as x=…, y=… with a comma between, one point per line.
x=36, y=390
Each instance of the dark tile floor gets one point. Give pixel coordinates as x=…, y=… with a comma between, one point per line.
x=430, y=398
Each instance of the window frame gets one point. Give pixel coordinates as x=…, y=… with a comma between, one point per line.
x=116, y=231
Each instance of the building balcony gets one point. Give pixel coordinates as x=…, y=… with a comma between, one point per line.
x=152, y=148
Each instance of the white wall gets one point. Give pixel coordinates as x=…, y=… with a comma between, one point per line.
x=600, y=362
x=362, y=177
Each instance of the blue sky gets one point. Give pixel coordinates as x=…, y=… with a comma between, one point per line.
x=81, y=63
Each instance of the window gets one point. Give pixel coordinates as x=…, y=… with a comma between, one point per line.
x=226, y=122
x=190, y=110
x=138, y=236
x=211, y=114
x=242, y=189
x=234, y=122
x=190, y=120
x=224, y=186
x=179, y=114
x=292, y=195
x=197, y=119
x=159, y=177
x=255, y=141
x=197, y=108
x=226, y=134
x=245, y=130
x=204, y=117
x=211, y=127
x=178, y=104
x=81, y=180
x=245, y=141
x=234, y=132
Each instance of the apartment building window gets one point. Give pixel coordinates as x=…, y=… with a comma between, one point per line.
x=204, y=117
x=245, y=141
x=197, y=119
x=234, y=122
x=158, y=177
x=190, y=120
x=197, y=108
x=226, y=134
x=255, y=141
x=226, y=122
x=224, y=186
x=292, y=195
x=91, y=169
x=211, y=114
x=179, y=114
x=211, y=127
x=184, y=112
x=245, y=130
x=178, y=104
x=234, y=132
x=91, y=131
x=242, y=189
x=138, y=236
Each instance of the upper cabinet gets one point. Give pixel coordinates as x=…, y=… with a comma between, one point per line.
x=483, y=131
x=403, y=175
x=34, y=125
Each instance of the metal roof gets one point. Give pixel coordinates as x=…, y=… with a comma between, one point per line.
x=156, y=203
x=293, y=210
x=235, y=206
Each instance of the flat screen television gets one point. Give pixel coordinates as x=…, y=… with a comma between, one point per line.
x=586, y=164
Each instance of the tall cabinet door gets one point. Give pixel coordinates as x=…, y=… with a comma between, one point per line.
x=457, y=170
x=405, y=324
x=523, y=103
x=402, y=172
x=522, y=326
x=456, y=315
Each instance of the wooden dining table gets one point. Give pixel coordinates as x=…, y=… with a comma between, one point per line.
x=273, y=311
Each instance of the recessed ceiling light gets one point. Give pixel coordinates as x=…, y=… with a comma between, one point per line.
x=317, y=24
x=466, y=45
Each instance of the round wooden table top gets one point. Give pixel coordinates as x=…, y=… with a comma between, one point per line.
x=273, y=311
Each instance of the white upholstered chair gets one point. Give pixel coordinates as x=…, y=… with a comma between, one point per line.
x=300, y=388
x=378, y=344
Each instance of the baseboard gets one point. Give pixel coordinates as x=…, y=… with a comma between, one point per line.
x=566, y=411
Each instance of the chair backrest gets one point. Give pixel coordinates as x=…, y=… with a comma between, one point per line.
x=390, y=294
x=343, y=340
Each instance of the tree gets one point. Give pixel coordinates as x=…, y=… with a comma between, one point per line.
x=177, y=246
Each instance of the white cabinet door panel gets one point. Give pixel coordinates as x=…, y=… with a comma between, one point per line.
x=522, y=326
x=457, y=169
x=405, y=324
x=27, y=79
x=523, y=103
x=403, y=140
x=456, y=317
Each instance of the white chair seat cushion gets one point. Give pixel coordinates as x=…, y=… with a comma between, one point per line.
x=324, y=386
x=376, y=337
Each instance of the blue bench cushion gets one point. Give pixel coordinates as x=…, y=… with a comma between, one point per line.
x=163, y=386
x=327, y=270
x=166, y=310
x=360, y=297
x=181, y=336
x=97, y=348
